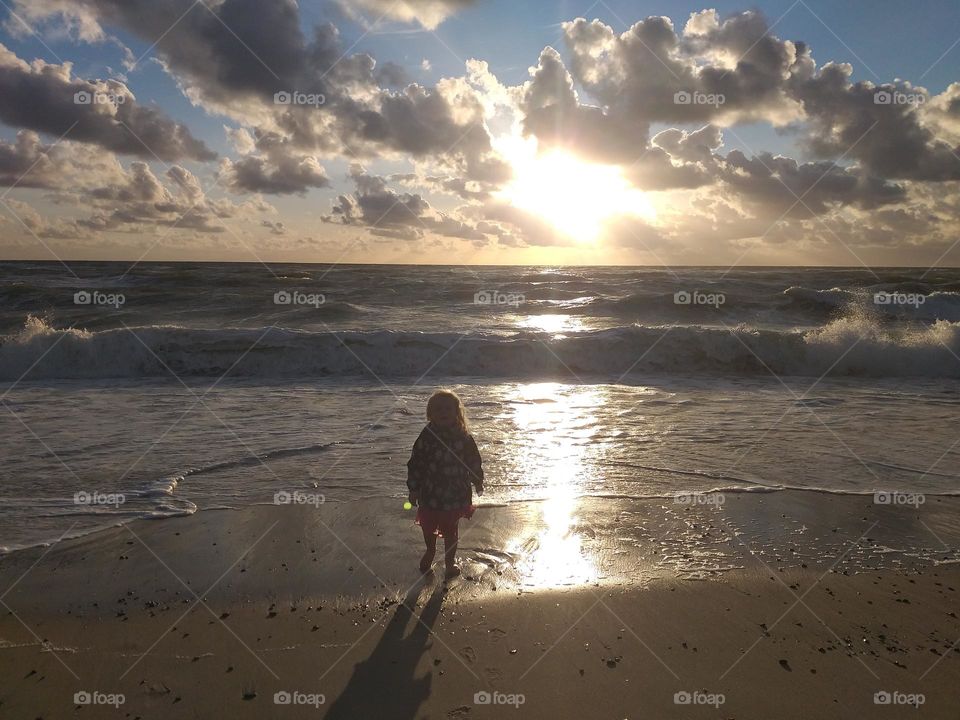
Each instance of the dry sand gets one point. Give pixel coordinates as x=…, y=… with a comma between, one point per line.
x=211, y=616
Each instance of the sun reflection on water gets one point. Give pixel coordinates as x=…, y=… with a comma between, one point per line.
x=551, y=552
x=554, y=323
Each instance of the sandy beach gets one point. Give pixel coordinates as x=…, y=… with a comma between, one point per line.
x=654, y=305
x=287, y=612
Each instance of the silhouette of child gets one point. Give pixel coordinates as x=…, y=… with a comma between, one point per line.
x=443, y=468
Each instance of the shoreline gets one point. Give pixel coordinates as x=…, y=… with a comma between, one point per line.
x=350, y=548
x=389, y=503
x=216, y=612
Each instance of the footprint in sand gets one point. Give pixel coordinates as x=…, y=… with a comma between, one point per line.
x=459, y=713
x=494, y=675
x=496, y=634
x=468, y=654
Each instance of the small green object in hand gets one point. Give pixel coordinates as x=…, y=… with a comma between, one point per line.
x=407, y=505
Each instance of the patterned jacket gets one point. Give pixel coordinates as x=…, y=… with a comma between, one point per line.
x=442, y=467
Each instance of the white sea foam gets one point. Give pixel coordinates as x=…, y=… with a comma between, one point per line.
x=855, y=345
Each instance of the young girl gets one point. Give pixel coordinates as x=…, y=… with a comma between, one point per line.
x=444, y=464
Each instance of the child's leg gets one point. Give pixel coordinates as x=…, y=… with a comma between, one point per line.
x=430, y=540
x=450, y=537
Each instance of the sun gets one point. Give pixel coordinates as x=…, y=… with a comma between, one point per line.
x=576, y=197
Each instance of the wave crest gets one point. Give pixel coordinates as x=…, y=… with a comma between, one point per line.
x=853, y=345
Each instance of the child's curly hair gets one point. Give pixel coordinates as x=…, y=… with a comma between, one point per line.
x=441, y=397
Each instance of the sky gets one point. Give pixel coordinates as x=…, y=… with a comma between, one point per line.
x=800, y=132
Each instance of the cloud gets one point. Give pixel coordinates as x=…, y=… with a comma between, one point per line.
x=553, y=113
x=142, y=199
x=46, y=98
x=233, y=57
x=428, y=13
x=879, y=126
x=730, y=72
x=942, y=114
x=390, y=214
x=278, y=170
x=37, y=225
x=782, y=185
x=722, y=73
x=654, y=100
x=275, y=227
x=30, y=163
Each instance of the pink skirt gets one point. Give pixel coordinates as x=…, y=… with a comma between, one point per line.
x=442, y=522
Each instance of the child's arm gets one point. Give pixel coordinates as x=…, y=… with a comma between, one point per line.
x=475, y=464
x=415, y=467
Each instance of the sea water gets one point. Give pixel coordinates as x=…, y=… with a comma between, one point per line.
x=168, y=389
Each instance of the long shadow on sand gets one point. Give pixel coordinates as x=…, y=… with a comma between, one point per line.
x=383, y=686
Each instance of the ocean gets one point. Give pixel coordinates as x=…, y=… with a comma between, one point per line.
x=174, y=388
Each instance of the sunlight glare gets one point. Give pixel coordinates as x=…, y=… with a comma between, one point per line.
x=556, y=324
x=555, y=555
x=575, y=196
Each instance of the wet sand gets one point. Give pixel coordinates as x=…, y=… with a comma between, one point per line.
x=769, y=606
